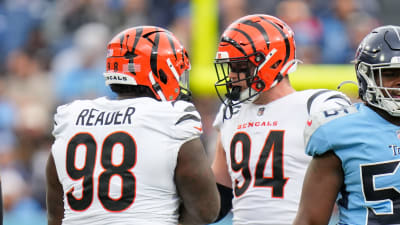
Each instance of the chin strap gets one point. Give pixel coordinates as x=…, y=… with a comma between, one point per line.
x=246, y=96
x=234, y=95
x=230, y=107
x=156, y=87
x=185, y=95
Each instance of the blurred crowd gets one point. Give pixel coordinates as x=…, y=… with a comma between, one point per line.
x=53, y=52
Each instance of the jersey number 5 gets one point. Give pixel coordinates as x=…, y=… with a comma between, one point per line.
x=274, y=144
x=390, y=194
x=85, y=173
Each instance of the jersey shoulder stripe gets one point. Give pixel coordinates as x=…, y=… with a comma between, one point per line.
x=320, y=119
x=313, y=97
x=187, y=117
x=326, y=98
x=190, y=114
x=187, y=122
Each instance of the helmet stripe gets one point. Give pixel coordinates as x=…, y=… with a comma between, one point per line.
x=259, y=28
x=171, y=42
x=248, y=38
x=121, y=40
x=133, y=55
x=130, y=54
x=154, y=51
x=234, y=43
x=287, y=43
x=137, y=37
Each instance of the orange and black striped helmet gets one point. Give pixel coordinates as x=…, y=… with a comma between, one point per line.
x=149, y=56
x=264, y=42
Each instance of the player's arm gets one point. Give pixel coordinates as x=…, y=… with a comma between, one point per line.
x=322, y=183
x=196, y=185
x=224, y=182
x=219, y=166
x=54, y=194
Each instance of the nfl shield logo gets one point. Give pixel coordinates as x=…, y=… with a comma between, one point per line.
x=260, y=111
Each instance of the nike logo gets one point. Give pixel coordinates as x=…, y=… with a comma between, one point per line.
x=309, y=122
x=199, y=128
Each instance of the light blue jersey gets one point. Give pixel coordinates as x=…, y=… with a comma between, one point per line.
x=369, y=149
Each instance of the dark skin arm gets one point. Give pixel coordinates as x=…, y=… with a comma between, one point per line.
x=196, y=185
x=54, y=194
x=322, y=184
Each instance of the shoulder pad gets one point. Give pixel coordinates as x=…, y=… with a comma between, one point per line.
x=187, y=124
x=326, y=99
x=320, y=118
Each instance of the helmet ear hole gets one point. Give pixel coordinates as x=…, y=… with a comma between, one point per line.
x=276, y=64
x=163, y=76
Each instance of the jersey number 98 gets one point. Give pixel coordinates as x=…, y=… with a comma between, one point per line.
x=85, y=173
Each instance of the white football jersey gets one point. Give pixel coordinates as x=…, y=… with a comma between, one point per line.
x=116, y=159
x=265, y=154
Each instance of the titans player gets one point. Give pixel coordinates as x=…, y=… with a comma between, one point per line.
x=356, y=149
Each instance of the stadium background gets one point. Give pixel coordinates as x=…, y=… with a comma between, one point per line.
x=53, y=51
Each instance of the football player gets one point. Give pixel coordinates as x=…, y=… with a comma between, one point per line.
x=356, y=149
x=137, y=159
x=259, y=158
